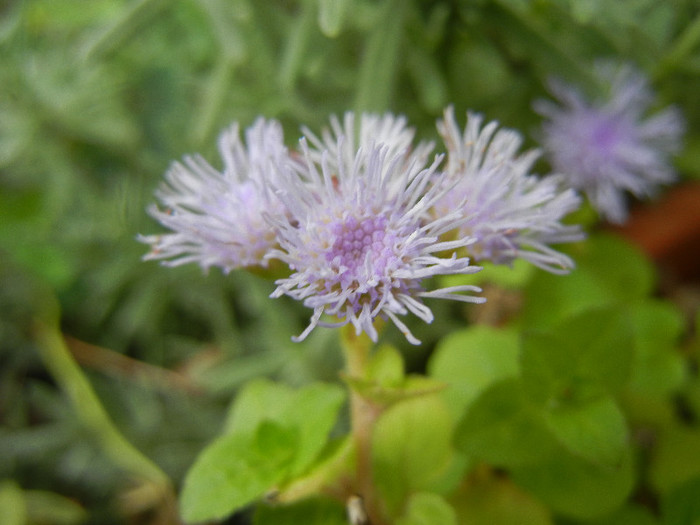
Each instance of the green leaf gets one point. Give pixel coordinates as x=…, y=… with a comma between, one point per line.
x=609, y=271
x=579, y=357
x=425, y=508
x=13, y=508
x=337, y=462
x=676, y=459
x=314, y=511
x=504, y=428
x=595, y=430
x=273, y=433
x=575, y=487
x=258, y=401
x=237, y=469
x=682, y=505
x=488, y=498
x=472, y=359
x=411, y=447
x=658, y=368
x=619, y=266
x=627, y=515
x=386, y=366
x=312, y=410
x=49, y=507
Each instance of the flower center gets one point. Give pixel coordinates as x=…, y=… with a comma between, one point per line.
x=358, y=243
x=605, y=135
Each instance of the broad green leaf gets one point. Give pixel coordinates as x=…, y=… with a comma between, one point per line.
x=627, y=515
x=237, y=469
x=504, y=428
x=609, y=271
x=471, y=360
x=312, y=410
x=426, y=508
x=620, y=267
x=258, y=401
x=314, y=413
x=411, y=447
x=682, y=505
x=49, y=507
x=316, y=511
x=487, y=498
x=579, y=357
x=658, y=368
x=337, y=462
x=386, y=366
x=594, y=430
x=575, y=487
x=13, y=508
x=675, y=459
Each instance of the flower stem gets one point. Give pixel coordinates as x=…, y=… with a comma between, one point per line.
x=150, y=478
x=363, y=415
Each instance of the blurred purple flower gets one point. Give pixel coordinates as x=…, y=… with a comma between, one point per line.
x=217, y=217
x=608, y=145
x=508, y=212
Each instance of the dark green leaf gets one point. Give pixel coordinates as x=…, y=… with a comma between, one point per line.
x=682, y=505
x=609, y=271
x=658, y=368
x=579, y=357
x=504, y=428
x=575, y=487
x=594, y=430
x=488, y=498
x=676, y=459
x=309, y=512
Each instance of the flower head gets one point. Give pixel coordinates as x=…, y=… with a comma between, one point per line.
x=508, y=212
x=391, y=131
x=358, y=242
x=607, y=145
x=217, y=217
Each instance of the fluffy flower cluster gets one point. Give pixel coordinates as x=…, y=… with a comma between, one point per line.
x=607, y=146
x=362, y=216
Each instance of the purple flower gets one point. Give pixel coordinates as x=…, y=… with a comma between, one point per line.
x=217, y=217
x=391, y=131
x=359, y=242
x=508, y=212
x=607, y=145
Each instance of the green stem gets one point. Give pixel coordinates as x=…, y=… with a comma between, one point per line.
x=92, y=414
x=363, y=415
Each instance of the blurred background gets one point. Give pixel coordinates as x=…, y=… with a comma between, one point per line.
x=98, y=97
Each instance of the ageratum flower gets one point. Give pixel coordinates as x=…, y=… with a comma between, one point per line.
x=358, y=243
x=508, y=212
x=608, y=145
x=391, y=131
x=216, y=217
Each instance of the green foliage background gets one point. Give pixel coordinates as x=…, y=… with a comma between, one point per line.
x=98, y=97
